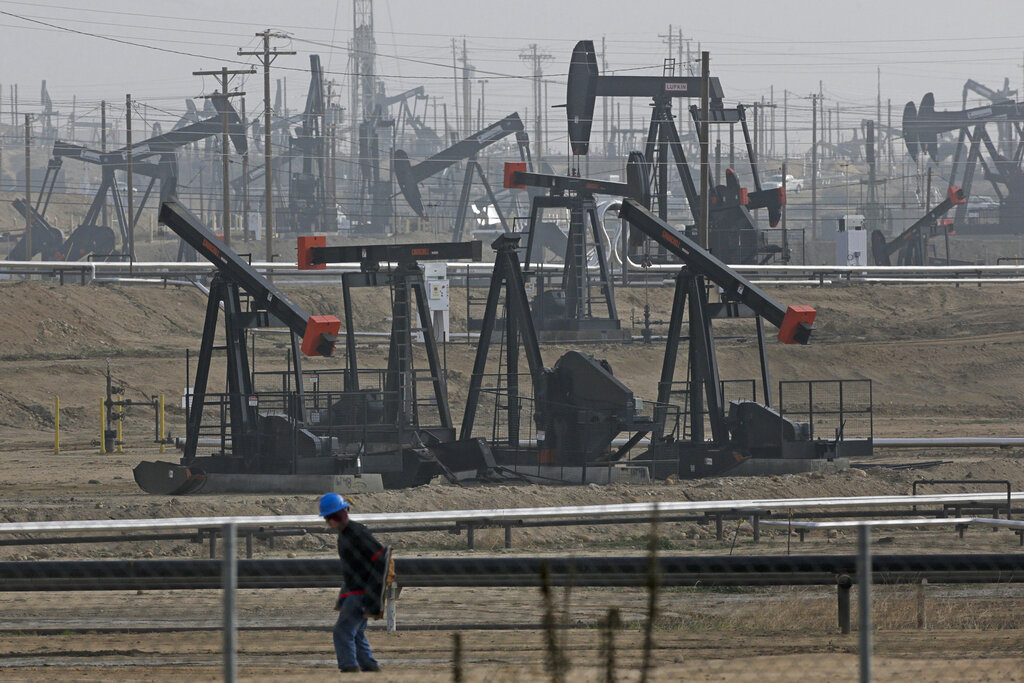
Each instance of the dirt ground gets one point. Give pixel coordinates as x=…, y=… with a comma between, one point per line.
x=944, y=361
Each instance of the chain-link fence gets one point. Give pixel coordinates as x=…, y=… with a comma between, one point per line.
x=682, y=591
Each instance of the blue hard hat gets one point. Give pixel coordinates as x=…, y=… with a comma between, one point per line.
x=331, y=503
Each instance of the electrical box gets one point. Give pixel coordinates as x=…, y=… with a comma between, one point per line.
x=435, y=276
x=851, y=241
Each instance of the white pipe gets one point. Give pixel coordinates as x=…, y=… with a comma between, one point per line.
x=949, y=442
x=517, y=514
x=281, y=266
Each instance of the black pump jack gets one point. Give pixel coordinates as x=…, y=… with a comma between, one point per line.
x=734, y=236
x=746, y=428
x=409, y=177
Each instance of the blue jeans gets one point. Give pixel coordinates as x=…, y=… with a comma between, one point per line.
x=350, y=642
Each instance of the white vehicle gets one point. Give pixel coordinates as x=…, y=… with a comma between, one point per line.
x=792, y=184
x=981, y=202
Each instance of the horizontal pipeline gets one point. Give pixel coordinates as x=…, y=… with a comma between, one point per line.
x=778, y=570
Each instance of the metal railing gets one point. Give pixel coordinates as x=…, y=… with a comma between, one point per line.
x=582, y=513
x=789, y=273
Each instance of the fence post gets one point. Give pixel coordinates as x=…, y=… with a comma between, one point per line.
x=843, y=583
x=391, y=608
x=103, y=428
x=56, y=425
x=922, y=615
x=230, y=581
x=163, y=424
x=864, y=599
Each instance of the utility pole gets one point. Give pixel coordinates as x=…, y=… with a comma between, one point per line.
x=266, y=57
x=483, y=103
x=669, y=37
x=679, y=52
x=821, y=111
x=537, y=59
x=103, y=147
x=757, y=140
x=814, y=164
x=28, y=188
x=888, y=136
x=467, y=93
x=785, y=124
x=245, y=177
x=839, y=127
x=674, y=39
x=705, y=171
x=225, y=175
x=455, y=87
x=131, y=196
x=785, y=231
x=878, y=101
x=604, y=104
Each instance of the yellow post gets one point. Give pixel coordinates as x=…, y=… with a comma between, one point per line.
x=103, y=428
x=162, y=424
x=56, y=425
x=120, y=421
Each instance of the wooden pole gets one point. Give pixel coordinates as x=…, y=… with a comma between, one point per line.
x=705, y=170
x=28, y=188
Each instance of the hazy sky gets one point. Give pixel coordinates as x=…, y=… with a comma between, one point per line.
x=790, y=45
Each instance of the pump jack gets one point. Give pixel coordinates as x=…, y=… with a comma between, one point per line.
x=358, y=429
x=749, y=429
x=912, y=243
x=569, y=310
x=391, y=430
x=154, y=158
x=261, y=443
x=922, y=126
x=578, y=405
x=409, y=177
x=733, y=236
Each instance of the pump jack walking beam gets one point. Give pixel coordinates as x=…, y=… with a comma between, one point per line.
x=318, y=332
x=409, y=177
x=881, y=250
x=794, y=322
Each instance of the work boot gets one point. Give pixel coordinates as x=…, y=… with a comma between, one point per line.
x=372, y=667
x=349, y=670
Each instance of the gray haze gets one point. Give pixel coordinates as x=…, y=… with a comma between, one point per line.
x=754, y=45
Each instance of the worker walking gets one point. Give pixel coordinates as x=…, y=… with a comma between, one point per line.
x=364, y=569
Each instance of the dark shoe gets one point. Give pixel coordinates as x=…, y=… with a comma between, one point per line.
x=372, y=667
x=349, y=670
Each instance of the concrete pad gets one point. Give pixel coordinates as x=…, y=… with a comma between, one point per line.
x=292, y=483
